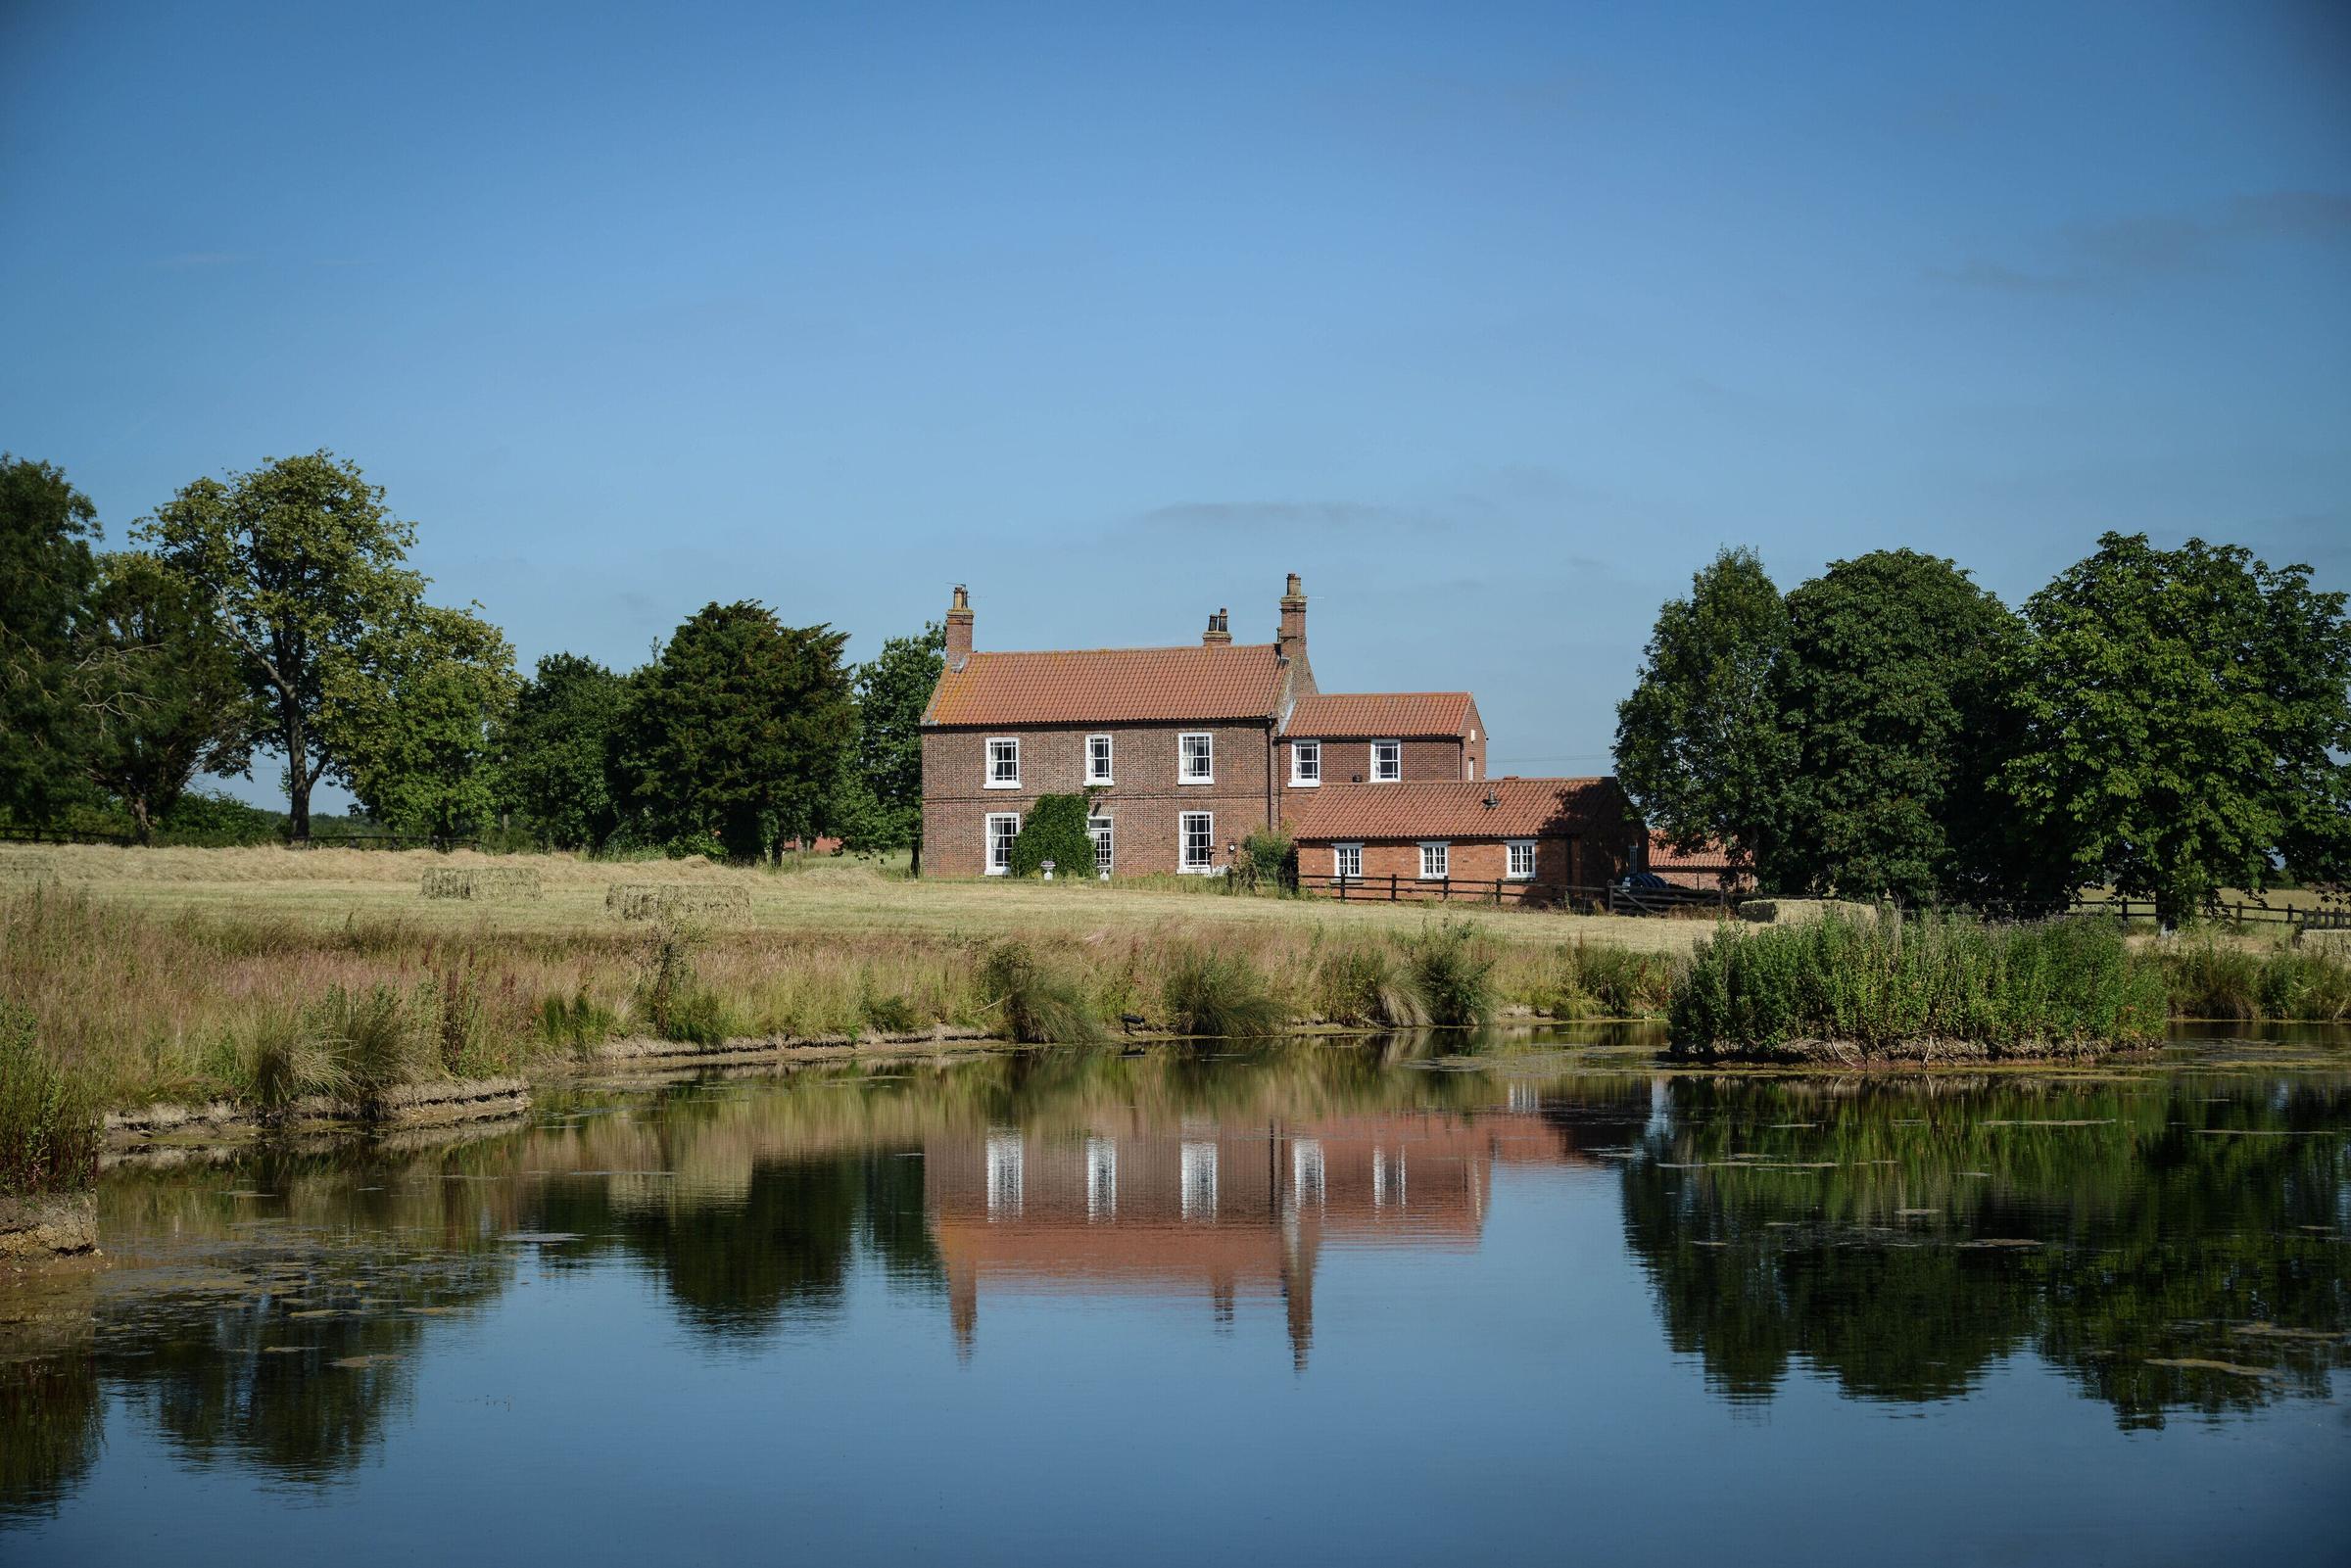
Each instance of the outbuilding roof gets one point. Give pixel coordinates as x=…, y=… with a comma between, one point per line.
x=1662, y=856
x=1381, y=715
x=1520, y=808
x=1110, y=685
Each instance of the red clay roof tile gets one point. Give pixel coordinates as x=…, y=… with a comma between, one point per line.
x=1381, y=715
x=1110, y=685
x=1524, y=808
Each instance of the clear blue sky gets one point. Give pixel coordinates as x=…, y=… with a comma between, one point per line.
x=1494, y=323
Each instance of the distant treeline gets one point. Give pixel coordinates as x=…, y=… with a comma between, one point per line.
x=2166, y=723
x=272, y=613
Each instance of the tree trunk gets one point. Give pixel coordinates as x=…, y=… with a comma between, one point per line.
x=138, y=817
x=298, y=778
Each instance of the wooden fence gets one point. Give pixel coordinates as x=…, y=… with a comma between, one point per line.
x=2239, y=914
x=11, y=834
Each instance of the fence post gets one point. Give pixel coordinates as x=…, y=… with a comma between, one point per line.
x=1391, y=887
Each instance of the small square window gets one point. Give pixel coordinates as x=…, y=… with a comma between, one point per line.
x=1196, y=759
x=1347, y=860
x=1004, y=763
x=1003, y=826
x=1306, y=762
x=1434, y=861
x=1387, y=761
x=1097, y=759
x=1520, y=866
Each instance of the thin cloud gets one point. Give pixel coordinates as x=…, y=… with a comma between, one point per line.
x=2116, y=252
x=1286, y=516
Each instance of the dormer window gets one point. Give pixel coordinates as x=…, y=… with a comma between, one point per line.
x=1306, y=763
x=1004, y=762
x=1387, y=761
x=1195, y=758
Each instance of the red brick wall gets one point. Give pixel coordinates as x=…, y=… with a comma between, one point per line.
x=1350, y=761
x=1578, y=861
x=1143, y=801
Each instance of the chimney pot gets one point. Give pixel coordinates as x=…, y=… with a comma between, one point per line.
x=959, y=628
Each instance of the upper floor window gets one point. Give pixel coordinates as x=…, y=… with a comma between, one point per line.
x=1435, y=861
x=1195, y=759
x=1097, y=759
x=1306, y=762
x=1004, y=763
x=1520, y=865
x=1387, y=761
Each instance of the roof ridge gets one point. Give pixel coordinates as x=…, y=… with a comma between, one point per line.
x=1153, y=648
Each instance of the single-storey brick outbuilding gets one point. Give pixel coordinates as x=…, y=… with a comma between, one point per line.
x=1527, y=840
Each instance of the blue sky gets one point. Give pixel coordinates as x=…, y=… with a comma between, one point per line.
x=1494, y=323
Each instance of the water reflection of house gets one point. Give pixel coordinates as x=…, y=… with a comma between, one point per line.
x=1226, y=1210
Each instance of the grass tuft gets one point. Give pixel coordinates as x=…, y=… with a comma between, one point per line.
x=1214, y=992
x=1454, y=968
x=1037, y=1001
x=48, y=1127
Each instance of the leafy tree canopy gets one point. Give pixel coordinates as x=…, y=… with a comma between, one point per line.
x=552, y=753
x=1698, y=743
x=46, y=567
x=2184, y=716
x=1887, y=696
x=892, y=690
x=304, y=565
x=172, y=699
x=416, y=711
x=741, y=725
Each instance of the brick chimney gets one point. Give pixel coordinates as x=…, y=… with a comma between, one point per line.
x=1292, y=642
x=959, y=628
x=1219, y=633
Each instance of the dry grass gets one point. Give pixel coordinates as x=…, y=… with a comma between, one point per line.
x=326, y=887
x=174, y=972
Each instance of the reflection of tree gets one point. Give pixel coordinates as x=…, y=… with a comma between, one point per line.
x=51, y=1420
x=2163, y=1227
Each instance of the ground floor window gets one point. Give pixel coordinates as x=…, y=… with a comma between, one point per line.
x=1521, y=866
x=1098, y=828
x=1003, y=826
x=1435, y=861
x=1199, y=1176
x=1347, y=860
x=1198, y=841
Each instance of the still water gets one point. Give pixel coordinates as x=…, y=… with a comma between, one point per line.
x=1307, y=1303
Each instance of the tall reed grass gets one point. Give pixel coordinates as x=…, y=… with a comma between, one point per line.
x=1875, y=985
x=48, y=1125
x=1219, y=993
x=1036, y=1000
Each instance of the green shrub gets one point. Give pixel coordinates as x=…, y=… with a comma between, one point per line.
x=1036, y=1002
x=1220, y=994
x=1453, y=966
x=1372, y=985
x=671, y=1002
x=1055, y=831
x=49, y=1130
x=1882, y=983
x=1268, y=859
x=890, y=1014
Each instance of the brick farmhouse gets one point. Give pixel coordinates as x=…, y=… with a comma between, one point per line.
x=1186, y=751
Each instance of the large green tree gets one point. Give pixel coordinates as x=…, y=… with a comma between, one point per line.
x=46, y=568
x=553, y=752
x=1890, y=696
x=1698, y=743
x=170, y=696
x=2184, y=715
x=892, y=690
x=303, y=565
x=415, y=717
x=740, y=727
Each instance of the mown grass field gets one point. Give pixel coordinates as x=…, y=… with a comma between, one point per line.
x=330, y=886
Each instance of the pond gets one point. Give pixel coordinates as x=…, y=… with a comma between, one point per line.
x=1311, y=1301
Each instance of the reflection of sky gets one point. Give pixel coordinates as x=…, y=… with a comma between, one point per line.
x=1511, y=1398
